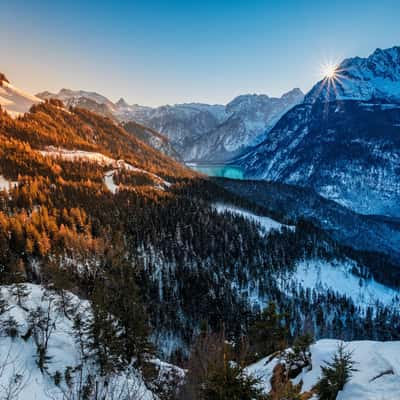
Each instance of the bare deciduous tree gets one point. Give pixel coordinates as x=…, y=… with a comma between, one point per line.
x=13, y=380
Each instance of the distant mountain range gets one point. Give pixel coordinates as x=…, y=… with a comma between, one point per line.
x=343, y=140
x=157, y=252
x=198, y=132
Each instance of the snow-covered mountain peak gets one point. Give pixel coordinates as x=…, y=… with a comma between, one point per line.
x=198, y=131
x=121, y=103
x=3, y=78
x=293, y=94
x=70, y=97
x=14, y=100
x=253, y=101
x=374, y=77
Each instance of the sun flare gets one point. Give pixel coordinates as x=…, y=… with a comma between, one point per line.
x=329, y=71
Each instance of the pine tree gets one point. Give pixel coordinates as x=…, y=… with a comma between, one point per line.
x=229, y=382
x=103, y=336
x=213, y=375
x=268, y=333
x=335, y=374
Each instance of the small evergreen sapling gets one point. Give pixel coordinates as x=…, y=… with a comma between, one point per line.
x=335, y=374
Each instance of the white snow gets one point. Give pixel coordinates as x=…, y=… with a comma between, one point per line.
x=72, y=155
x=374, y=77
x=109, y=181
x=15, y=101
x=19, y=356
x=267, y=224
x=377, y=363
x=337, y=276
x=262, y=370
x=5, y=184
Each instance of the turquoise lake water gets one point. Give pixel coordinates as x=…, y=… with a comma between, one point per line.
x=222, y=171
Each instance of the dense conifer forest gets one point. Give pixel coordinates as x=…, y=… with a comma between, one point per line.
x=173, y=272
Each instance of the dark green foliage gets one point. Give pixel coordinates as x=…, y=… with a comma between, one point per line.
x=268, y=333
x=335, y=374
x=213, y=375
x=103, y=339
x=229, y=382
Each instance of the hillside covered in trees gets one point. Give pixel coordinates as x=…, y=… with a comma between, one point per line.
x=88, y=209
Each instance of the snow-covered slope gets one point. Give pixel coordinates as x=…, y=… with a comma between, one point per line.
x=266, y=224
x=19, y=370
x=338, y=276
x=377, y=374
x=14, y=100
x=377, y=234
x=98, y=158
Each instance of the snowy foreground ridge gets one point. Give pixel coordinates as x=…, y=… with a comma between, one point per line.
x=377, y=363
x=20, y=375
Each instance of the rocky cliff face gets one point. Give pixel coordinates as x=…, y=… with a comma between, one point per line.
x=250, y=119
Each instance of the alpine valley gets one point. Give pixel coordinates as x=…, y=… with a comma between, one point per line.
x=126, y=275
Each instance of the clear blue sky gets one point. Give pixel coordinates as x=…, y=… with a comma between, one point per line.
x=167, y=51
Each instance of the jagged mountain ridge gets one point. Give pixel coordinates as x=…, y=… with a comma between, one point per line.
x=100, y=105
x=72, y=97
x=347, y=149
x=250, y=119
x=152, y=138
x=199, y=131
x=374, y=77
